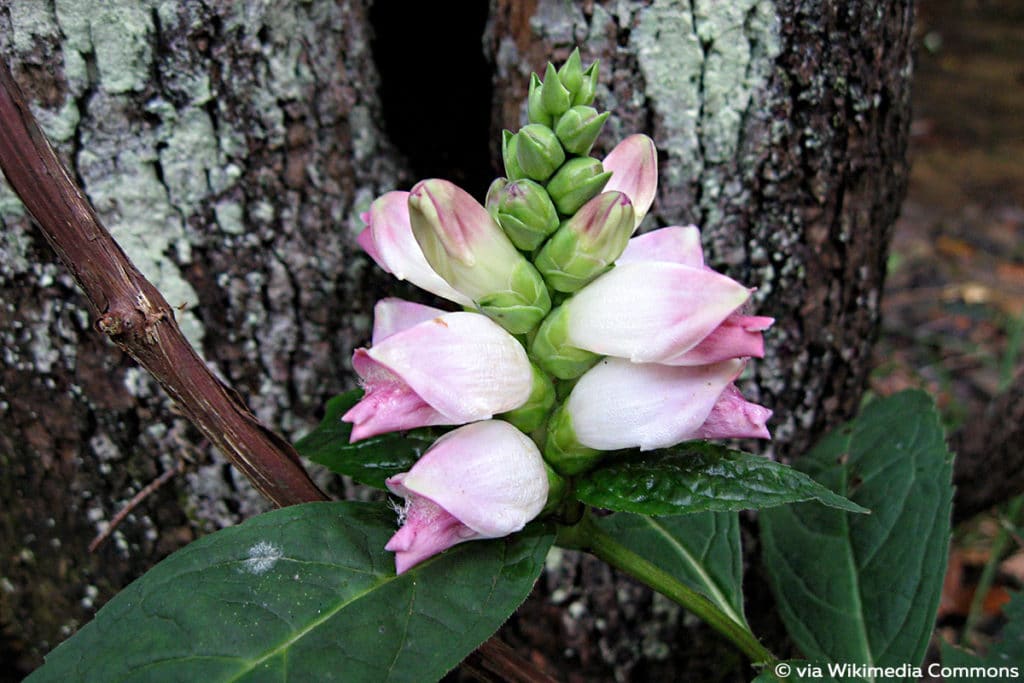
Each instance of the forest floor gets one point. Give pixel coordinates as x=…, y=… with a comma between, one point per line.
x=954, y=302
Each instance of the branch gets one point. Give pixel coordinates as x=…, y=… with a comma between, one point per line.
x=130, y=310
x=989, y=464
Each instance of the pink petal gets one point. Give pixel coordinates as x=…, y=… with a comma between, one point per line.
x=428, y=530
x=388, y=405
x=675, y=244
x=734, y=417
x=392, y=315
x=634, y=167
x=619, y=404
x=462, y=364
x=649, y=312
x=739, y=336
x=365, y=240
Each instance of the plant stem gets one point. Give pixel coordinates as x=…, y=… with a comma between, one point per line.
x=589, y=537
x=988, y=574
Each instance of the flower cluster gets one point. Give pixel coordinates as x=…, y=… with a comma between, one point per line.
x=639, y=340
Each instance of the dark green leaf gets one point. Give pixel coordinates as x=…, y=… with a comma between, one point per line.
x=701, y=550
x=369, y=461
x=306, y=593
x=864, y=589
x=696, y=477
x=1007, y=652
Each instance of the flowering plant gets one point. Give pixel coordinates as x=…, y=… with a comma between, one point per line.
x=573, y=398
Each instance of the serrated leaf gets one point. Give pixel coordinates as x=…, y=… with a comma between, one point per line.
x=701, y=550
x=699, y=477
x=306, y=593
x=1005, y=656
x=369, y=461
x=865, y=589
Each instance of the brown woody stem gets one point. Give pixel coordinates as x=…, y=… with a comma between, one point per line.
x=131, y=311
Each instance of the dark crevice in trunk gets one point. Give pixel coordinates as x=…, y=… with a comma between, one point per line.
x=436, y=88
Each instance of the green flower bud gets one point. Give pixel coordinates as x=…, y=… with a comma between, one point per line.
x=561, y=449
x=538, y=152
x=588, y=88
x=535, y=110
x=551, y=349
x=571, y=73
x=574, y=184
x=588, y=243
x=532, y=414
x=509, y=145
x=524, y=210
x=555, y=97
x=578, y=128
x=524, y=303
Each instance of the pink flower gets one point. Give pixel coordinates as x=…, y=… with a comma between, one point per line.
x=618, y=404
x=427, y=367
x=634, y=167
x=484, y=480
x=650, y=312
x=389, y=241
x=738, y=336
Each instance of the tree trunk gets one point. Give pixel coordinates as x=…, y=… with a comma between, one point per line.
x=782, y=129
x=230, y=148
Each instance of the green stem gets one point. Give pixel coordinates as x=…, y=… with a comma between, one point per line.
x=589, y=537
x=988, y=574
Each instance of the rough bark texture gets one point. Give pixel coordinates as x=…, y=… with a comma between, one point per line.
x=230, y=147
x=782, y=128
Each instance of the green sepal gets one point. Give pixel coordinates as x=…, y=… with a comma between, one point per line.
x=558, y=489
x=588, y=88
x=521, y=307
x=535, y=111
x=551, y=350
x=532, y=414
x=561, y=449
x=579, y=127
x=571, y=73
x=538, y=152
x=524, y=211
x=509, y=156
x=555, y=96
x=577, y=182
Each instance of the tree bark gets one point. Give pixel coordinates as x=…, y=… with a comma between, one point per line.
x=782, y=129
x=230, y=148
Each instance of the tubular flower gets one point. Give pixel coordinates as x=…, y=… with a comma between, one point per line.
x=484, y=480
x=427, y=367
x=389, y=241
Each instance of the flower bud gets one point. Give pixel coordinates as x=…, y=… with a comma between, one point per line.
x=484, y=480
x=535, y=111
x=578, y=128
x=563, y=451
x=555, y=96
x=524, y=211
x=467, y=248
x=576, y=183
x=509, y=147
x=634, y=168
x=571, y=73
x=551, y=349
x=588, y=243
x=538, y=152
x=588, y=86
x=532, y=414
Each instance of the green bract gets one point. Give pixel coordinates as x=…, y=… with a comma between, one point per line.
x=538, y=152
x=576, y=183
